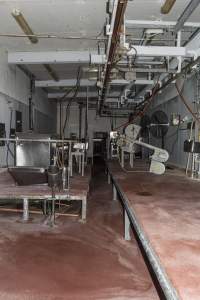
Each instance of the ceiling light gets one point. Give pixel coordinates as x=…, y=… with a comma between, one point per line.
x=167, y=6
x=24, y=26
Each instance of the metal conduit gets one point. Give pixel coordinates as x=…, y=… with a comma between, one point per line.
x=119, y=18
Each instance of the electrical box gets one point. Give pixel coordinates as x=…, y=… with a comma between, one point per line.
x=2, y=133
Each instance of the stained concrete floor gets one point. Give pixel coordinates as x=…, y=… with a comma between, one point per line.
x=73, y=261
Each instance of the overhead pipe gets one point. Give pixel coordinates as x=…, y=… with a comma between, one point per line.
x=117, y=22
x=167, y=6
x=18, y=16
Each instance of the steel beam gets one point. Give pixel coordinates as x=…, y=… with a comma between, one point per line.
x=146, y=24
x=86, y=82
x=63, y=83
x=137, y=82
x=117, y=20
x=79, y=95
x=186, y=14
x=159, y=51
x=161, y=275
x=49, y=57
x=194, y=44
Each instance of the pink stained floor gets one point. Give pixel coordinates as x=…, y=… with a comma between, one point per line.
x=73, y=261
x=168, y=210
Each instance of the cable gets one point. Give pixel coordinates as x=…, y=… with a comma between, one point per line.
x=148, y=102
x=72, y=98
x=186, y=104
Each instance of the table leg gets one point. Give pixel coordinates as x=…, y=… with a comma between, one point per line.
x=25, y=210
x=84, y=209
x=114, y=193
x=109, y=179
x=127, y=235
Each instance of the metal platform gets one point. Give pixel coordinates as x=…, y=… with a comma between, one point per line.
x=79, y=188
x=165, y=213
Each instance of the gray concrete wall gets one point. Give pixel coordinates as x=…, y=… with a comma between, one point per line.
x=170, y=102
x=14, y=95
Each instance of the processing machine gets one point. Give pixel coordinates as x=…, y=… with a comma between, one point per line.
x=130, y=141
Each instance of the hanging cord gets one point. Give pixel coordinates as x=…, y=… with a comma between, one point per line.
x=76, y=89
x=186, y=103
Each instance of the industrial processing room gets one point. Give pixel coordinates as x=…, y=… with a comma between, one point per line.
x=99, y=149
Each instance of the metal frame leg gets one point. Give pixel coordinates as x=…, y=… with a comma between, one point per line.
x=109, y=178
x=131, y=160
x=53, y=212
x=122, y=158
x=193, y=165
x=25, y=210
x=71, y=164
x=82, y=158
x=127, y=226
x=79, y=163
x=45, y=207
x=114, y=193
x=84, y=209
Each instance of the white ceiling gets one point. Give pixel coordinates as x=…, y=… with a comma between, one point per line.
x=84, y=18
x=150, y=10
x=73, y=17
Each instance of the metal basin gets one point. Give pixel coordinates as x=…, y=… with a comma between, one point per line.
x=28, y=175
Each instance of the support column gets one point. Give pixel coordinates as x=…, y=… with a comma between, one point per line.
x=80, y=163
x=82, y=158
x=84, y=209
x=25, y=210
x=114, y=193
x=127, y=235
x=122, y=158
x=109, y=179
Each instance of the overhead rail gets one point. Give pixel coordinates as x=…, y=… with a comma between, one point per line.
x=117, y=20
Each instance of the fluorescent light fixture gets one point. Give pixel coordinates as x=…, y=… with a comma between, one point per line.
x=24, y=25
x=167, y=6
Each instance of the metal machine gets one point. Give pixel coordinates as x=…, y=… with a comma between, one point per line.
x=34, y=153
x=128, y=143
